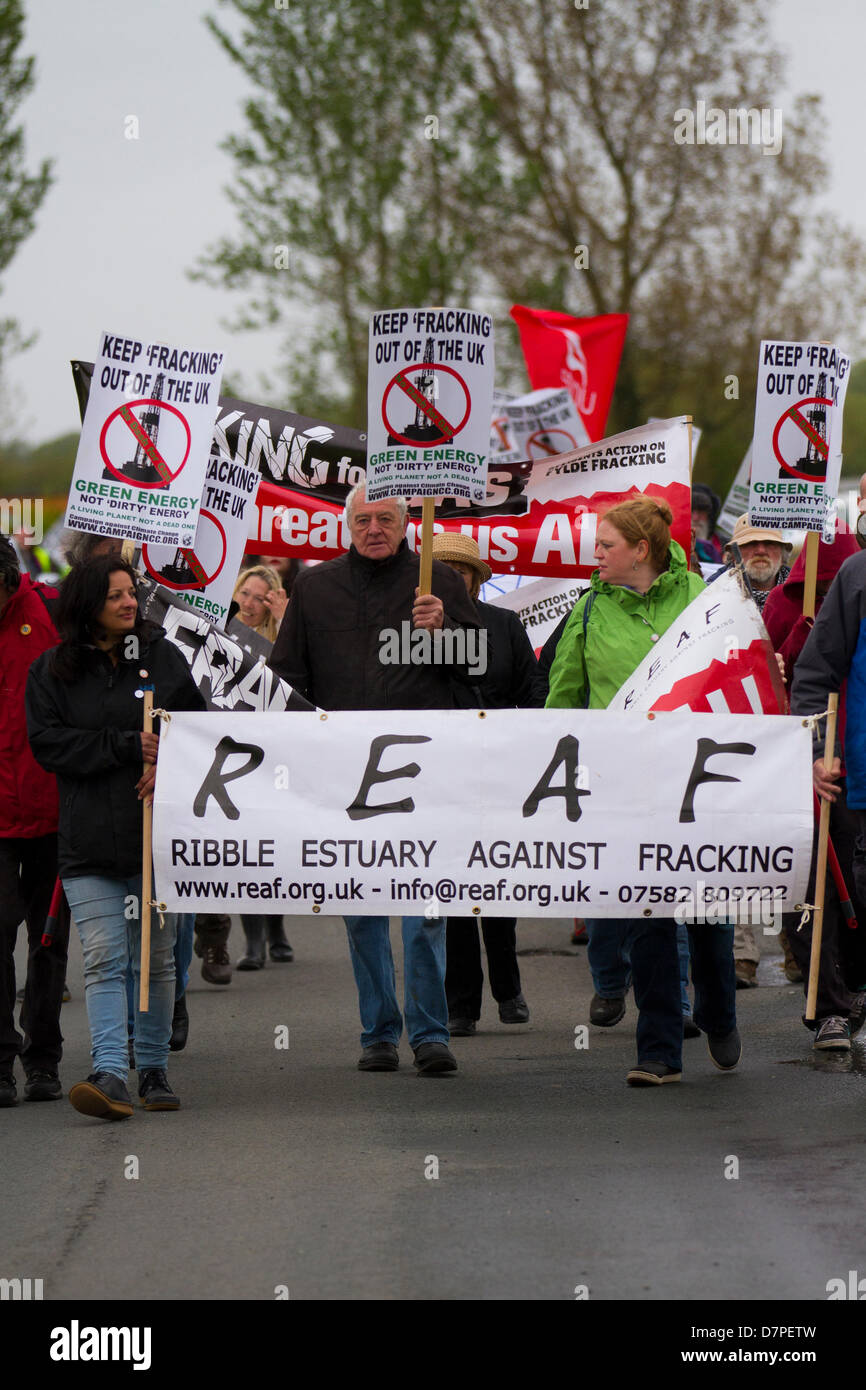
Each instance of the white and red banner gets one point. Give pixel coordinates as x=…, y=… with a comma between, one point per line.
x=541, y=605
x=539, y=518
x=716, y=658
x=571, y=811
x=580, y=354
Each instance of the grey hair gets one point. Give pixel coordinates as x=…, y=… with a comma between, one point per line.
x=360, y=490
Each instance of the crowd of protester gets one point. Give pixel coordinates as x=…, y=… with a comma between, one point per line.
x=76, y=768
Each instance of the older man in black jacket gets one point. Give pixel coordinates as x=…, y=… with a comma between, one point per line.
x=336, y=646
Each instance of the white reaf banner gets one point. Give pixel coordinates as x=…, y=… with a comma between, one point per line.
x=515, y=813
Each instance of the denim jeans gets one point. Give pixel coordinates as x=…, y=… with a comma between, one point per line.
x=607, y=953
x=657, y=987
x=182, y=958
x=111, y=942
x=423, y=975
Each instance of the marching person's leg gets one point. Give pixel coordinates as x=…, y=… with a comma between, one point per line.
x=656, y=980
x=425, y=1003
x=153, y=1028
x=98, y=909
x=373, y=965
x=182, y=962
x=713, y=974
x=12, y=913
x=503, y=972
x=464, y=978
x=254, y=926
x=46, y=971
x=607, y=953
x=279, y=946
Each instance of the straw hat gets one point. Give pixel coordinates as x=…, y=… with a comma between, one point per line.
x=453, y=545
x=744, y=534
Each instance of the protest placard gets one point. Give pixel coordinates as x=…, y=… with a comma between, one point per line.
x=587, y=811
x=145, y=440
x=797, y=444
x=535, y=426
x=541, y=605
x=429, y=401
x=203, y=575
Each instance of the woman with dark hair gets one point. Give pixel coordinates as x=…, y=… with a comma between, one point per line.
x=641, y=586
x=84, y=718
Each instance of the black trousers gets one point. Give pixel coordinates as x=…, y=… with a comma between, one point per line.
x=28, y=870
x=464, y=976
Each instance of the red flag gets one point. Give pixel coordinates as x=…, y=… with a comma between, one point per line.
x=581, y=354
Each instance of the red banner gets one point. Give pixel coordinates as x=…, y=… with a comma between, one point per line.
x=580, y=354
x=541, y=517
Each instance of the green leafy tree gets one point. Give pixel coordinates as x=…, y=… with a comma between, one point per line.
x=351, y=179
x=21, y=193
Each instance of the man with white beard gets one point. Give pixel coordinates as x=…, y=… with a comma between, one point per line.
x=764, y=553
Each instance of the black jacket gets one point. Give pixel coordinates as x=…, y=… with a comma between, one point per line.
x=87, y=732
x=330, y=641
x=512, y=679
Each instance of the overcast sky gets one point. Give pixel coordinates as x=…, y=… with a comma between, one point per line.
x=125, y=218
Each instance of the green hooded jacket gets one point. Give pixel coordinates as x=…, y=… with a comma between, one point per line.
x=620, y=632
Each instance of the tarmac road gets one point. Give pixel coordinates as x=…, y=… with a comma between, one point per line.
x=289, y=1168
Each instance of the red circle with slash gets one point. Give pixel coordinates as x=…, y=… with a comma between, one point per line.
x=537, y=446
x=191, y=558
x=408, y=390
x=794, y=416
x=124, y=412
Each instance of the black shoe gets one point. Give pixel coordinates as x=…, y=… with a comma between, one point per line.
x=725, y=1052
x=604, y=1013
x=690, y=1028
x=155, y=1092
x=102, y=1095
x=514, y=1010
x=278, y=943
x=252, y=962
x=8, y=1091
x=42, y=1085
x=652, y=1074
x=179, y=1025
x=379, y=1056
x=461, y=1027
x=857, y=1013
x=433, y=1058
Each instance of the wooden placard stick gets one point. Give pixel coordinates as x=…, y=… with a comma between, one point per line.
x=810, y=580
x=146, y=867
x=821, y=866
x=425, y=578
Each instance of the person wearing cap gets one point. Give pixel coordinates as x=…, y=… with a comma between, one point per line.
x=764, y=553
x=334, y=648
x=511, y=681
x=28, y=847
x=84, y=721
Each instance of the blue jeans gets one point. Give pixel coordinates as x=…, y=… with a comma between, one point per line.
x=110, y=943
x=607, y=953
x=657, y=988
x=423, y=976
x=182, y=959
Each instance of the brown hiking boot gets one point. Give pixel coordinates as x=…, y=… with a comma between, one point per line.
x=790, y=967
x=216, y=967
x=745, y=971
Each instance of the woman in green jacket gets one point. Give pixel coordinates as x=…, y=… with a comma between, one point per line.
x=641, y=586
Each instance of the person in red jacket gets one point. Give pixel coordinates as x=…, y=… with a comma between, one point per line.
x=28, y=847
